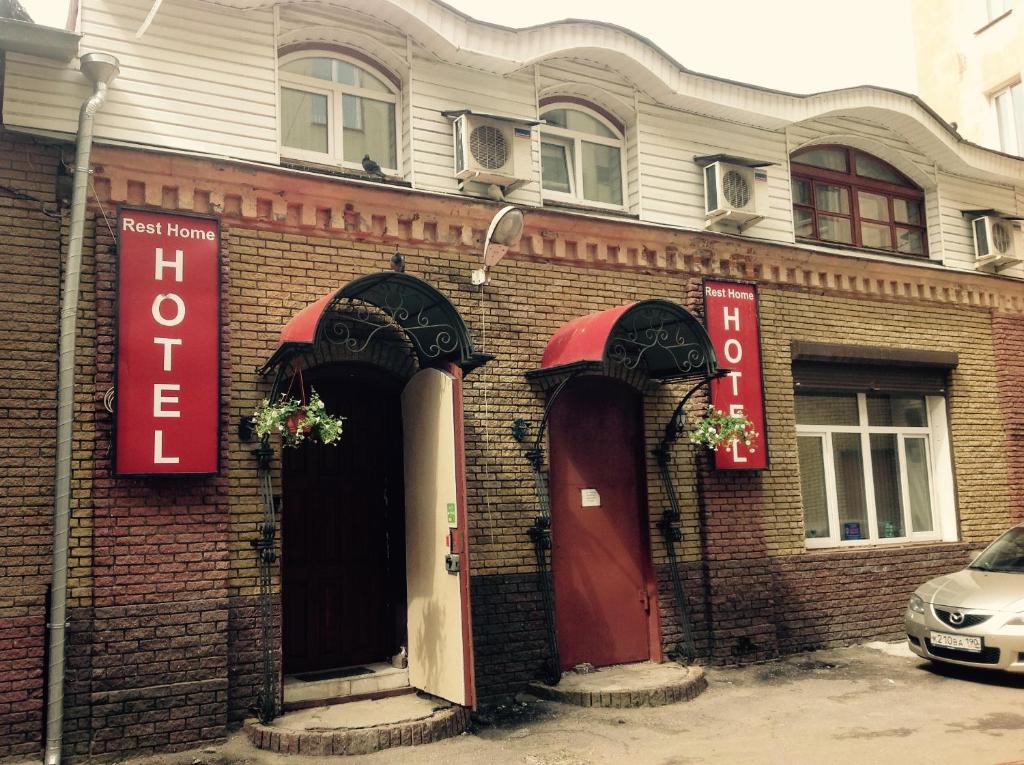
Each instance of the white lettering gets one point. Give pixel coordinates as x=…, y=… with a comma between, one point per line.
x=167, y=343
x=733, y=351
x=159, y=399
x=178, y=264
x=735, y=377
x=179, y=316
x=130, y=224
x=173, y=229
x=735, y=409
x=158, y=450
x=731, y=316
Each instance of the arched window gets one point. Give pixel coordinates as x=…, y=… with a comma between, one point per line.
x=335, y=111
x=581, y=157
x=844, y=195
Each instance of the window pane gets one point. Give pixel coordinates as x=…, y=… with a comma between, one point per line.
x=554, y=159
x=917, y=480
x=907, y=211
x=812, y=483
x=1009, y=106
x=827, y=409
x=873, y=206
x=369, y=129
x=304, y=120
x=897, y=411
x=829, y=159
x=318, y=67
x=803, y=222
x=834, y=229
x=910, y=241
x=885, y=469
x=602, y=173
x=801, y=192
x=849, y=467
x=874, y=235
x=350, y=74
x=832, y=198
x=581, y=122
x=869, y=167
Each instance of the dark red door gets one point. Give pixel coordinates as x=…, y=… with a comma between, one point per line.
x=343, y=542
x=599, y=555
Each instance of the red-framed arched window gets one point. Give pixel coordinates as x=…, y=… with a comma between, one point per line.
x=847, y=196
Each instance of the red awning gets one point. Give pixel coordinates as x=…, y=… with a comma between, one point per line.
x=433, y=326
x=656, y=337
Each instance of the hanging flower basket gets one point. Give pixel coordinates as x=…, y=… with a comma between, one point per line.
x=297, y=421
x=717, y=430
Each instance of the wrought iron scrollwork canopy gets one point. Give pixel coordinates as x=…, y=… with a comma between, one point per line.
x=657, y=338
x=368, y=308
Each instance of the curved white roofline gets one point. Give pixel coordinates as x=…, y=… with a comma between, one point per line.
x=453, y=36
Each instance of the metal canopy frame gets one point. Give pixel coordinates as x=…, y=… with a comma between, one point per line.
x=663, y=342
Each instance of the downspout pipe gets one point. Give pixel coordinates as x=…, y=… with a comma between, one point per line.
x=99, y=69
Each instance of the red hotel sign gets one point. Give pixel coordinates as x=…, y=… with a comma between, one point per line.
x=730, y=309
x=168, y=344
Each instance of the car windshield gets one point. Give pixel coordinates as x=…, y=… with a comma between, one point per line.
x=1005, y=554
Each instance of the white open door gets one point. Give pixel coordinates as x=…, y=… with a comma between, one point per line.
x=437, y=562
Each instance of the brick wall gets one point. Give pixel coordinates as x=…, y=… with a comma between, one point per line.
x=163, y=649
x=1008, y=336
x=29, y=275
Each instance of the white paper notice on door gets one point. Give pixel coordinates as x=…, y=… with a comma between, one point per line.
x=590, y=498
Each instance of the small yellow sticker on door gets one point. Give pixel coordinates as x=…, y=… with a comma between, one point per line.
x=452, y=518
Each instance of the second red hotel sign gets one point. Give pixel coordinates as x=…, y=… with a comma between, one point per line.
x=730, y=310
x=168, y=344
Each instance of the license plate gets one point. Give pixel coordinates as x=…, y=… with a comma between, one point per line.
x=958, y=642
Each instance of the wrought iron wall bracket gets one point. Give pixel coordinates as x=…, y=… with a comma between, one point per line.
x=669, y=523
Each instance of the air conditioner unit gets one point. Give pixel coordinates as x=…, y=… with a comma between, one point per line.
x=995, y=241
x=734, y=194
x=492, y=150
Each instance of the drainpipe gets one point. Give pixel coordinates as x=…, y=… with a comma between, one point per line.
x=99, y=69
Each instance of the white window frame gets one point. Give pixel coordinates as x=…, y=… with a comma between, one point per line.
x=335, y=118
x=939, y=476
x=574, y=141
x=1009, y=114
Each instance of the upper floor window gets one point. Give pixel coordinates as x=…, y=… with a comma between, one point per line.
x=581, y=158
x=846, y=196
x=335, y=111
x=1009, y=106
x=996, y=8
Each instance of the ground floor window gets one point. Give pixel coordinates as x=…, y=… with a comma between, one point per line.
x=868, y=466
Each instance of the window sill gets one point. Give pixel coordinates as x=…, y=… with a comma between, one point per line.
x=994, y=21
x=313, y=167
x=875, y=545
x=854, y=248
x=596, y=208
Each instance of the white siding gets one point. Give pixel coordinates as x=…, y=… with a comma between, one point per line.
x=441, y=87
x=187, y=84
x=958, y=194
x=673, y=185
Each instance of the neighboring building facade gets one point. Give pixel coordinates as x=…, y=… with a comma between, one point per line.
x=970, y=59
x=891, y=360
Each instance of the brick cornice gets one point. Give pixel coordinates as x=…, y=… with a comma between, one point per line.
x=290, y=200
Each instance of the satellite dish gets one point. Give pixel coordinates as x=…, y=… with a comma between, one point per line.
x=505, y=229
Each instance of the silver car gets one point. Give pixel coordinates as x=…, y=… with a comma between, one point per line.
x=974, y=617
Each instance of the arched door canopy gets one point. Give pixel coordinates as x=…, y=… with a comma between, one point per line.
x=433, y=325
x=656, y=337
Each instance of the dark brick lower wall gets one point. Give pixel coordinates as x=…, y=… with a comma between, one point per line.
x=245, y=654
x=840, y=597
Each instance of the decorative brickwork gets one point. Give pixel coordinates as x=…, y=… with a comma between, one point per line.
x=689, y=684
x=1008, y=338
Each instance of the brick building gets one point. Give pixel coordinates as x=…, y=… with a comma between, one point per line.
x=888, y=351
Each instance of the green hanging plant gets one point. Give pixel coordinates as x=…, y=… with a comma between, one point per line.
x=297, y=421
x=717, y=429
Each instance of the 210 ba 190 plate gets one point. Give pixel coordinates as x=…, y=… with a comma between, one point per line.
x=959, y=642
